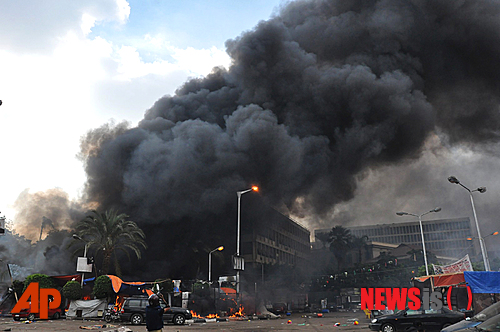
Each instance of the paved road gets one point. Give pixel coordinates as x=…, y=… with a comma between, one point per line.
x=295, y=322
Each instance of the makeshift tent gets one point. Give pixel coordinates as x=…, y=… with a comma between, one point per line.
x=441, y=280
x=229, y=291
x=485, y=287
x=127, y=287
x=86, y=309
x=483, y=282
x=62, y=280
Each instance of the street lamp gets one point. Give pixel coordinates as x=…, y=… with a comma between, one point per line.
x=239, y=193
x=472, y=238
x=421, y=230
x=76, y=237
x=481, y=190
x=210, y=262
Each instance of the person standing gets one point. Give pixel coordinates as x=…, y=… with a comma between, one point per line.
x=154, y=314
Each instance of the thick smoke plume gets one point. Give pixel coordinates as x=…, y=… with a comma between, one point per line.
x=314, y=97
x=40, y=240
x=41, y=212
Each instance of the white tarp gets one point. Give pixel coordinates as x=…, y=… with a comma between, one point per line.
x=86, y=308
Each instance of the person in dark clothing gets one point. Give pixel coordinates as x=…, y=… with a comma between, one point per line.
x=154, y=314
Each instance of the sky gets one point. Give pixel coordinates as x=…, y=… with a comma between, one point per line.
x=68, y=67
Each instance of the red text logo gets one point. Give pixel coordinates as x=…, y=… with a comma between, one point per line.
x=39, y=300
x=399, y=298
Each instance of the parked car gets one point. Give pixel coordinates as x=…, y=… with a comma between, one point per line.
x=134, y=310
x=490, y=325
x=404, y=320
x=279, y=308
x=26, y=313
x=476, y=320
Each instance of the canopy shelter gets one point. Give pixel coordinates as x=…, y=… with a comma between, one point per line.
x=483, y=282
x=478, y=281
x=128, y=287
x=86, y=308
x=62, y=280
x=440, y=280
x=484, y=286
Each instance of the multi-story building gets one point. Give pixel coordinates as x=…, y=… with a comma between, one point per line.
x=444, y=237
x=269, y=237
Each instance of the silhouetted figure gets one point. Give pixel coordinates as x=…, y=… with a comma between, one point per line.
x=154, y=314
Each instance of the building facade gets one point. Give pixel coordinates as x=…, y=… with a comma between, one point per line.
x=444, y=237
x=269, y=237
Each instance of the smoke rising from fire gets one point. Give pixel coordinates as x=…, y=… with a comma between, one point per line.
x=319, y=98
x=42, y=212
x=314, y=96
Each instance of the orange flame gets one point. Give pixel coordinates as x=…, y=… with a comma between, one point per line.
x=213, y=316
x=239, y=313
x=195, y=315
x=199, y=316
x=118, y=303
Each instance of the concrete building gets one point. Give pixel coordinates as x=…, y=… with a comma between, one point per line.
x=443, y=237
x=269, y=237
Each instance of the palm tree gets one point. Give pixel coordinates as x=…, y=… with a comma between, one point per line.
x=340, y=240
x=110, y=232
x=360, y=243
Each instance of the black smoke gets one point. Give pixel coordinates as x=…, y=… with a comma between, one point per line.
x=314, y=97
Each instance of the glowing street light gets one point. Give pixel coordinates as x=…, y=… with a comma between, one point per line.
x=239, y=193
x=472, y=238
x=481, y=190
x=421, y=230
x=210, y=262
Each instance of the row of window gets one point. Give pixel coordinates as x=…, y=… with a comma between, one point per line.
x=265, y=251
x=292, y=228
x=281, y=239
x=409, y=229
x=417, y=238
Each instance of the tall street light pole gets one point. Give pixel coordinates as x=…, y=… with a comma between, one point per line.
x=239, y=193
x=76, y=237
x=481, y=190
x=421, y=231
x=210, y=262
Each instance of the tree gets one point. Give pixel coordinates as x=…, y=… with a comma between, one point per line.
x=72, y=290
x=18, y=287
x=359, y=243
x=103, y=287
x=340, y=240
x=43, y=280
x=110, y=232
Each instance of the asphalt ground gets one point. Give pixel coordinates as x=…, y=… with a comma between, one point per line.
x=294, y=322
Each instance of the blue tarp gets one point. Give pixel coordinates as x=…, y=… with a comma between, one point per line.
x=482, y=281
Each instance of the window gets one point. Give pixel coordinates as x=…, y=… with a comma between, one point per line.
x=134, y=303
x=414, y=312
x=432, y=311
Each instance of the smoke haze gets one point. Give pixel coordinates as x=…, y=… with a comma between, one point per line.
x=341, y=112
x=315, y=96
